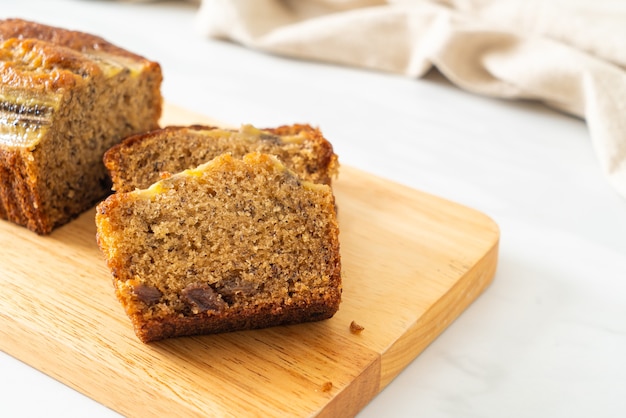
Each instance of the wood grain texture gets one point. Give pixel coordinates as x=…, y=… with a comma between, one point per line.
x=412, y=263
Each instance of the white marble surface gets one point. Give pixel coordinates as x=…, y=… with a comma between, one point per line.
x=548, y=338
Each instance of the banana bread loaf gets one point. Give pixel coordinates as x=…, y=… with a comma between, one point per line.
x=232, y=244
x=65, y=98
x=138, y=161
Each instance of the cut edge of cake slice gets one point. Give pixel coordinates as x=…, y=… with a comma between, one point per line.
x=233, y=244
x=139, y=160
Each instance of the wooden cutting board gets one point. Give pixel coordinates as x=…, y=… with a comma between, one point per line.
x=412, y=263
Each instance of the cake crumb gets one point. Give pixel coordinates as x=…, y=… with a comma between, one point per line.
x=356, y=328
x=176, y=249
x=326, y=387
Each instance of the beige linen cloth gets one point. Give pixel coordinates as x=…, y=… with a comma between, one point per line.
x=569, y=54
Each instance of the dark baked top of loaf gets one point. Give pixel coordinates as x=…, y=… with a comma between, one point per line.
x=139, y=161
x=228, y=239
x=78, y=41
x=40, y=57
x=42, y=66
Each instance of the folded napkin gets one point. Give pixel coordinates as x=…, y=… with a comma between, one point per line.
x=569, y=54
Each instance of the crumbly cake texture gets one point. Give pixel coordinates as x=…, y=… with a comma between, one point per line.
x=139, y=161
x=230, y=245
x=65, y=98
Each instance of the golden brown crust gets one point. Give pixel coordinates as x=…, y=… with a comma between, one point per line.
x=53, y=51
x=19, y=198
x=81, y=42
x=78, y=41
x=38, y=65
x=327, y=156
x=264, y=317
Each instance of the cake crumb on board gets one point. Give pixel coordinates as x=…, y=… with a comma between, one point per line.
x=356, y=328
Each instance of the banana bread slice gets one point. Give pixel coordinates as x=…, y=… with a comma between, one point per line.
x=65, y=98
x=138, y=161
x=230, y=245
